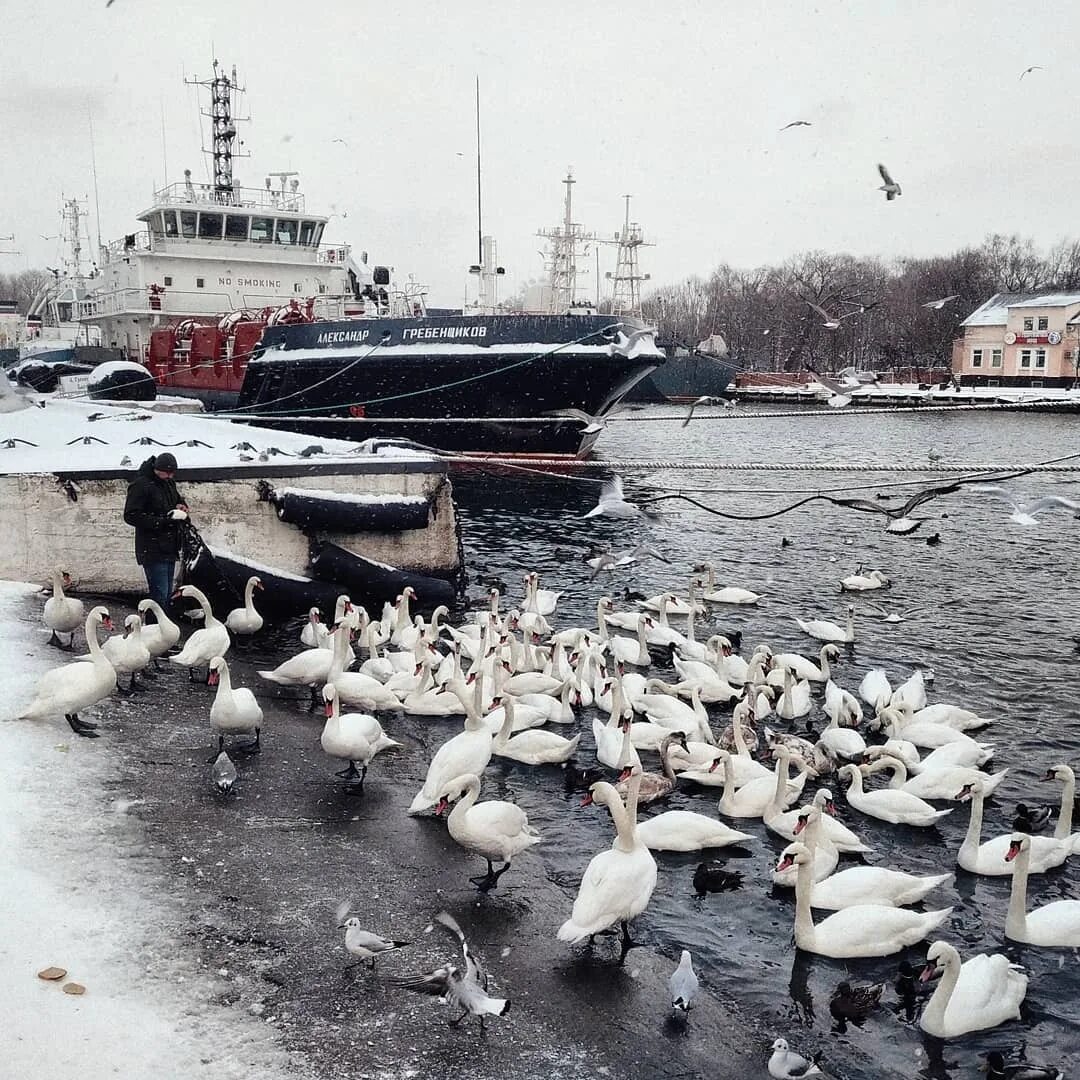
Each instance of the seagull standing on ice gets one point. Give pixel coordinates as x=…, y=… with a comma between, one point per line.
x=890, y=187
x=684, y=985
x=366, y=945
x=1024, y=515
x=612, y=503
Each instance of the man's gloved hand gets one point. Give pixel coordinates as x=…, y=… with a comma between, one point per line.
x=178, y=515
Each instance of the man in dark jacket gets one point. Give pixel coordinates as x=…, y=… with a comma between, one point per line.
x=156, y=509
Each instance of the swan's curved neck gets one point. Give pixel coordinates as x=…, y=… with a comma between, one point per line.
x=341, y=644
x=404, y=618
x=826, y=669
x=665, y=759
x=897, y=770
x=1065, y=815
x=1016, y=916
x=249, y=593
x=804, y=919
x=625, y=817
x=856, y=781
x=934, y=1013
x=601, y=619
x=208, y=614
x=58, y=585
x=777, y=802
x=974, y=829
x=507, y=725
x=225, y=681
x=91, y=628
x=464, y=804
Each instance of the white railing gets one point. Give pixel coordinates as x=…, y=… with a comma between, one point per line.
x=201, y=194
x=174, y=304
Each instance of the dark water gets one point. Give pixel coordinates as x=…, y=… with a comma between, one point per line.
x=1002, y=607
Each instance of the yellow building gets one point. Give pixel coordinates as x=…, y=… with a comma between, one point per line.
x=1020, y=339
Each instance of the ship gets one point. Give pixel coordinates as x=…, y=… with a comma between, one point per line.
x=233, y=295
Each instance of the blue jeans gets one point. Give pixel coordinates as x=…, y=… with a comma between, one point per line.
x=159, y=578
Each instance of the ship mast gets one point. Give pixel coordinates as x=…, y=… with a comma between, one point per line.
x=627, y=279
x=223, y=92
x=568, y=242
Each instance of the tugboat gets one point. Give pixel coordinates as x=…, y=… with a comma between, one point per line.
x=230, y=295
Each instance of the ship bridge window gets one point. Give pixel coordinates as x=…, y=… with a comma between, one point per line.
x=285, y=232
x=318, y=234
x=307, y=233
x=210, y=226
x=170, y=223
x=262, y=230
x=187, y=224
x=236, y=227
x=156, y=229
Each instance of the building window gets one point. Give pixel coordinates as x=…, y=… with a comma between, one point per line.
x=297, y=287
x=1025, y=358
x=1029, y=324
x=1044, y=323
x=1040, y=358
x=1036, y=383
x=200, y=283
x=995, y=358
x=993, y=382
x=976, y=357
x=167, y=280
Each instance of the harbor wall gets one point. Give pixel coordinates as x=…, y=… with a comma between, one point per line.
x=48, y=521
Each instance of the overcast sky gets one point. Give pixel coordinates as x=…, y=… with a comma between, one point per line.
x=678, y=103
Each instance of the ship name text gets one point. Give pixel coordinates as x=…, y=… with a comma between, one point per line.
x=417, y=333
x=342, y=337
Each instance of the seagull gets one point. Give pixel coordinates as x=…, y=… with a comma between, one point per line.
x=612, y=503
x=1028, y=71
x=890, y=187
x=1024, y=515
x=592, y=424
x=463, y=987
x=900, y=523
x=796, y=123
x=934, y=456
x=785, y=1064
x=625, y=344
x=223, y=773
x=364, y=944
x=684, y=985
x=838, y=397
x=613, y=560
x=832, y=322
x=705, y=399
x=937, y=305
x=342, y=141
x=900, y=616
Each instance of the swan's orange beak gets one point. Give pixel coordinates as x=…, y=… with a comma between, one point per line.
x=442, y=805
x=799, y=826
x=1014, y=850
x=107, y=623
x=625, y=775
x=785, y=863
x=329, y=709
x=587, y=800
x=213, y=679
x=928, y=972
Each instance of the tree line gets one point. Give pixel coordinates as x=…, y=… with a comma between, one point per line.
x=766, y=318
x=23, y=286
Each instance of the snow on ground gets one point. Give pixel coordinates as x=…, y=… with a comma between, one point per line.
x=77, y=890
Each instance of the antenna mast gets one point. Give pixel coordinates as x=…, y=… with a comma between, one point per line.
x=627, y=279
x=568, y=242
x=479, y=203
x=223, y=91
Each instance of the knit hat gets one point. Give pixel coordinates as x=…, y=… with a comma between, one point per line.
x=165, y=462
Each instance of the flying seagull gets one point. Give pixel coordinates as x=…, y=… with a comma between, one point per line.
x=1028, y=71
x=937, y=305
x=706, y=400
x=796, y=123
x=613, y=560
x=342, y=141
x=900, y=521
x=1024, y=515
x=832, y=322
x=890, y=187
x=683, y=985
x=612, y=503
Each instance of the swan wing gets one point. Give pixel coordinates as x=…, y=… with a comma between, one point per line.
x=988, y=991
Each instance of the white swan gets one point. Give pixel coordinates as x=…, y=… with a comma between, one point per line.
x=308, y=668
x=829, y=631
x=162, y=634
x=843, y=742
x=875, y=689
x=532, y=747
x=860, y=930
x=1057, y=923
x=210, y=640
x=823, y=855
x=981, y=993
x=912, y=692
x=684, y=830
x=964, y=755
x=126, y=652
x=617, y=884
x=897, y=722
x=467, y=752
x=795, y=700
x=626, y=652
x=315, y=632
x=352, y=687
x=729, y=595
x=942, y=783
x=889, y=804
x=352, y=737
x=989, y=858
x=842, y=706
x=752, y=799
x=864, y=582
x=609, y=735
x=949, y=716
x=807, y=669
x=63, y=614
x=235, y=710
x=1063, y=828
x=246, y=620
x=556, y=710
x=540, y=601
x=494, y=829
x=69, y=689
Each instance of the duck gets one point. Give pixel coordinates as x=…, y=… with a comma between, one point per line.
x=126, y=652
x=353, y=737
x=530, y=747
x=1031, y=819
x=785, y=1064
x=650, y=785
x=235, y=710
x=494, y=829
x=941, y=783
x=854, y=1003
x=860, y=930
x=979, y=993
x=618, y=883
x=160, y=635
x=63, y=614
x=1056, y=924
x=864, y=582
x=988, y=858
x=467, y=752
x=889, y=804
x=246, y=620
x=868, y=884
x=807, y=669
x=712, y=877
x=210, y=640
x=829, y=631
x=996, y=1069
x=685, y=830
x=73, y=687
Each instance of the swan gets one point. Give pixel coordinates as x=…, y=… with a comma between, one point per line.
x=889, y=804
x=467, y=752
x=860, y=930
x=752, y=799
x=981, y=993
x=624, y=651
x=966, y=755
x=842, y=705
x=315, y=632
x=352, y=737
x=875, y=689
x=864, y=582
x=912, y=692
x=73, y=687
x=210, y=640
x=897, y=722
x=556, y=710
x=870, y=884
x=609, y=735
x=1063, y=829
x=352, y=687
x=843, y=742
x=829, y=631
x=823, y=855
x=795, y=700
x=684, y=830
x=807, y=669
x=533, y=682
x=403, y=631
x=63, y=614
x=617, y=884
x=729, y=595
x=1057, y=923
x=235, y=710
x=246, y=620
x=949, y=716
x=817, y=759
x=429, y=699
x=540, y=601
x=989, y=858
x=650, y=786
x=531, y=747
x=933, y=783
x=127, y=653
x=674, y=605
x=494, y=829
x=162, y=634
x=308, y=668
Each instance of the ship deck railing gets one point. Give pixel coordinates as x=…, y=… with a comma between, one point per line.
x=176, y=303
x=183, y=194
